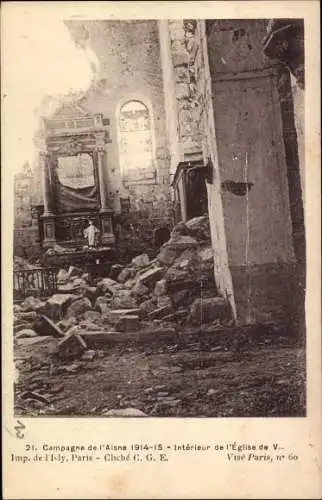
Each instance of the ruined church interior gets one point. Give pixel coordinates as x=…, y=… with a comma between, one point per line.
x=186, y=156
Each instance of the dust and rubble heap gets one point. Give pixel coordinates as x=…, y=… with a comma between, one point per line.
x=176, y=287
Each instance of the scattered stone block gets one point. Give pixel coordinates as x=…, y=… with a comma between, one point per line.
x=65, y=324
x=150, y=277
x=62, y=276
x=23, y=325
x=26, y=316
x=175, y=275
x=123, y=299
x=129, y=283
x=125, y=274
x=78, y=307
x=115, y=271
x=128, y=323
x=79, y=283
x=97, y=338
x=32, y=304
x=57, y=305
x=94, y=316
x=33, y=340
x=114, y=315
x=199, y=228
x=167, y=256
x=160, y=288
x=26, y=333
x=86, y=324
x=107, y=285
x=180, y=242
x=88, y=355
x=68, y=288
x=91, y=292
x=140, y=290
x=103, y=304
x=180, y=229
x=206, y=255
x=147, y=307
x=179, y=297
x=164, y=301
x=189, y=257
x=16, y=309
x=141, y=261
x=17, y=321
x=209, y=309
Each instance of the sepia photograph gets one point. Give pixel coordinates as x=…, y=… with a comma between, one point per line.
x=161, y=306
x=159, y=257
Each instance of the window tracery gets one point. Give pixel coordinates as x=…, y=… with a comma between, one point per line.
x=135, y=142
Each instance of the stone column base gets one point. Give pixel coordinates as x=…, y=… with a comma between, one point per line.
x=49, y=230
x=107, y=236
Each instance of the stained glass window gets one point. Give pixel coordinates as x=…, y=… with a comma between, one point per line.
x=136, y=152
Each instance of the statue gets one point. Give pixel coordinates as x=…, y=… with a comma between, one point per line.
x=90, y=232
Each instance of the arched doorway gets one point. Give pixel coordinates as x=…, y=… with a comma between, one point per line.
x=161, y=236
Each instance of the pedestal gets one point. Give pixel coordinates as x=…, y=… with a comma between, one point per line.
x=107, y=236
x=48, y=221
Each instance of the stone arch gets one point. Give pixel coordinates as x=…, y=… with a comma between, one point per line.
x=160, y=236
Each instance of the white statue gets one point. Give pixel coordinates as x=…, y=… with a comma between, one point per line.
x=90, y=233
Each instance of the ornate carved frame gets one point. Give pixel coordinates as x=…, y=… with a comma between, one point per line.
x=73, y=130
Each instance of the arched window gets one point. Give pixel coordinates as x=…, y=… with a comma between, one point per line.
x=135, y=142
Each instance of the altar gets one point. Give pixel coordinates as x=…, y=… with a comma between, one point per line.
x=72, y=149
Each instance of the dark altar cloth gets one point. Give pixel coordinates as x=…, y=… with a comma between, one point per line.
x=74, y=199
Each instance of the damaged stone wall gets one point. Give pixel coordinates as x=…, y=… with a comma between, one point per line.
x=26, y=242
x=130, y=69
x=183, y=52
x=206, y=124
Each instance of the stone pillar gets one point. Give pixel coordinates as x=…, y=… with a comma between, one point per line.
x=101, y=165
x=183, y=54
x=45, y=165
x=102, y=183
x=206, y=123
x=106, y=213
x=48, y=217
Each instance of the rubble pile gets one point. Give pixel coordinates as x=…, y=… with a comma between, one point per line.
x=177, y=286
